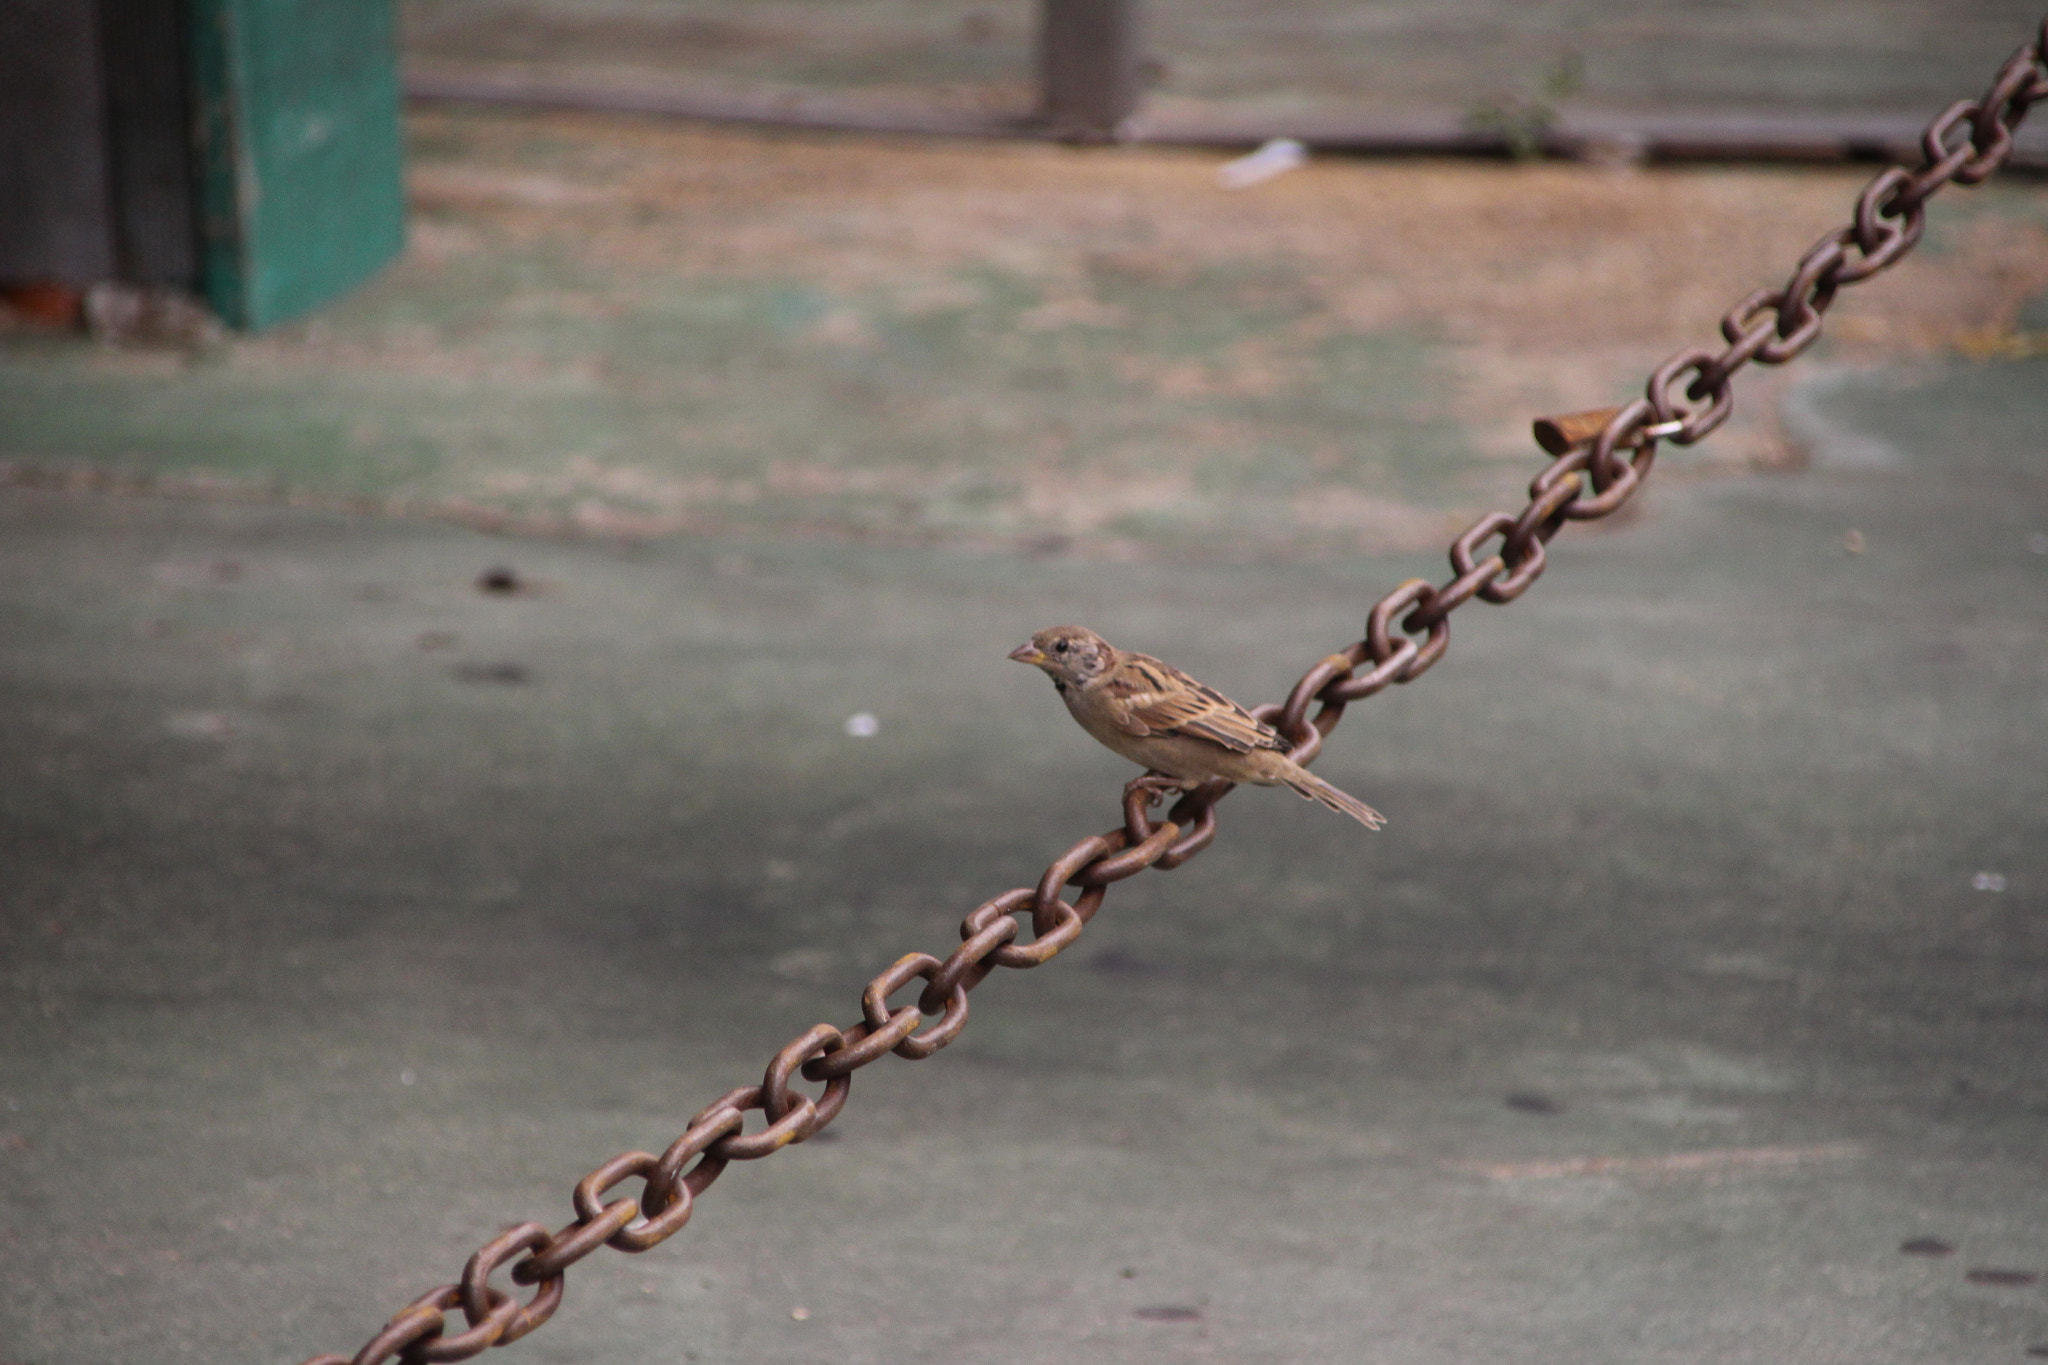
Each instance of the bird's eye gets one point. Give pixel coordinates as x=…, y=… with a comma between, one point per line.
x=1060, y=648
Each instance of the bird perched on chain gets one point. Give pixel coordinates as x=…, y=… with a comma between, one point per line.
x=1182, y=732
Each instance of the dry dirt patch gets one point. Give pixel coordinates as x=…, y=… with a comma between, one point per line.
x=639, y=327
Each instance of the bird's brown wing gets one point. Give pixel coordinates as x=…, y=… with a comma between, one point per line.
x=1148, y=697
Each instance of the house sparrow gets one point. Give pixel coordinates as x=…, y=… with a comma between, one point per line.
x=1157, y=716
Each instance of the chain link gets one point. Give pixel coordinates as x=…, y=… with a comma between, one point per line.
x=1601, y=459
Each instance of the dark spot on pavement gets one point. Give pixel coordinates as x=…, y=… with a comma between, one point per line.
x=1120, y=962
x=491, y=673
x=1999, y=1275
x=1170, y=1312
x=501, y=580
x=1529, y=1102
x=1927, y=1246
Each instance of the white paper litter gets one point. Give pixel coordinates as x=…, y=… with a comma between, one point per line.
x=1277, y=157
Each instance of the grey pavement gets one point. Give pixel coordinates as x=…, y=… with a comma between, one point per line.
x=351, y=913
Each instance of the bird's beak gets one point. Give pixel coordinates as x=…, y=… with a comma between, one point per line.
x=1028, y=653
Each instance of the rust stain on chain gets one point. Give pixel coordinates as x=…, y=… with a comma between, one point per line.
x=1601, y=459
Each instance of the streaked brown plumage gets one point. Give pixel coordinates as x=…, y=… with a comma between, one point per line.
x=1182, y=731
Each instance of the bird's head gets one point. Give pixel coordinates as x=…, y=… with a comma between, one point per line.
x=1073, y=655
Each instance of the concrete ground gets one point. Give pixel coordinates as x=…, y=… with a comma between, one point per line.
x=352, y=913
x=348, y=912
x=630, y=329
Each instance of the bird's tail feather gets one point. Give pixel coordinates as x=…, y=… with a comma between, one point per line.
x=1313, y=788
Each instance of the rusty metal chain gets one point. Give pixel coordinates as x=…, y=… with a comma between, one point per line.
x=1600, y=461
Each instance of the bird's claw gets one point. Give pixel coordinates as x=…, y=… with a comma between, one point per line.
x=1154, y=786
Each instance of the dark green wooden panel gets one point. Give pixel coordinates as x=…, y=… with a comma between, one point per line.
x=299, y=151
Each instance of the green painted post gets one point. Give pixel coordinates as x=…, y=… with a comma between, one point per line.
x=300, y=160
